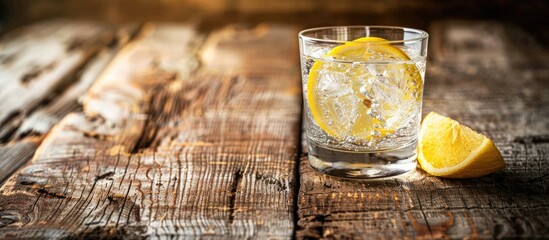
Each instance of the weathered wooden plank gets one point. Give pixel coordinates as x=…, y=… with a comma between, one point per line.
x=14, y=155
x=507, y=104
x=244, y=48
x=490, y=44
x=160, y=152
x=42, y=119
x=235, y=138
x=38, y=60
x=82, y=153
x=65, y=99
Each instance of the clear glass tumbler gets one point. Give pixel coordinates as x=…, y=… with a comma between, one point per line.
x=362, y=92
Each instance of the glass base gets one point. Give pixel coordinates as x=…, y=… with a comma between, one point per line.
x=363, y=165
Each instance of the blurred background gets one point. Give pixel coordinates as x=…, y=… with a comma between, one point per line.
x=531, y=15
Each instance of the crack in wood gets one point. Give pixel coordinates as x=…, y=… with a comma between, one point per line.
x=424, y=215
x=103, y=176
x=17, y=117
x=125, y=199
x=37, y=71
x=26, y=182
x=156, y=114
x=150, y=129
x=296, y=183
x=242, y=121
x=96, y=135
x=51, y=194
x=64, y=74
x=136, y=211
x=65, y=98
x=271, y=180
x=316, y=227
x=232, y=195
x=321, y=219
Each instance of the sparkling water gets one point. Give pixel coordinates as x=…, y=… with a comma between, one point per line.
x=391, y=97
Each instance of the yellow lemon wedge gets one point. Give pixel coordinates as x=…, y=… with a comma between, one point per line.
x=449, y=149
x=368, y=91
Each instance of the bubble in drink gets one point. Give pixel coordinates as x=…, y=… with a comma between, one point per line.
x=363, y=103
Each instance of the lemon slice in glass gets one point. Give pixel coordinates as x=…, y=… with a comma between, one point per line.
x=368, y=91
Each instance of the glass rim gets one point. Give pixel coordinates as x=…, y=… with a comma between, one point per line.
x=422, y=34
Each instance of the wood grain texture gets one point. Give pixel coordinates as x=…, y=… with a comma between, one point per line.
x=67, y=100
x=38, y=60
x=91, y=145
x=15, y=155
x=192, y=136
x=245, y=49
x=161, y=151
x=46, y=102
x=504, y=100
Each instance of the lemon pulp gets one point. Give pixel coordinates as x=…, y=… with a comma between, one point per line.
x=449, y=149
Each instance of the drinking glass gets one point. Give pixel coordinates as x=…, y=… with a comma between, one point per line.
x=362, y=92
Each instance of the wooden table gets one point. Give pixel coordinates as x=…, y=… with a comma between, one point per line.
x=163, y=130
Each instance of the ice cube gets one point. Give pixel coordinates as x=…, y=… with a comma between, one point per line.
x=317, y=51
